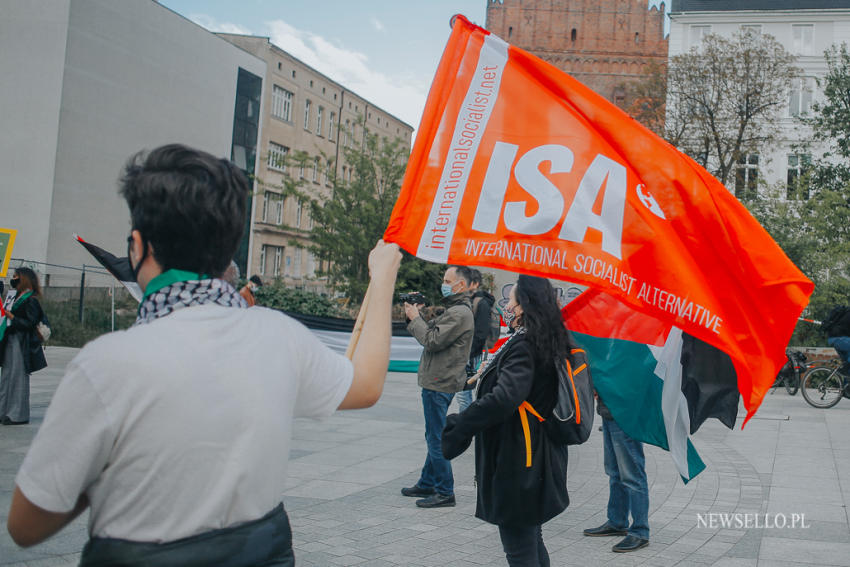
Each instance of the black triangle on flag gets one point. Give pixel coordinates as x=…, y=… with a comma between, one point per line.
x=118, y=267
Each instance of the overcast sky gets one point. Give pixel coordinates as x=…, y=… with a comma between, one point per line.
x=384, y=50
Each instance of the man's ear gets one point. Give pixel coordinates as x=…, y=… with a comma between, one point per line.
x=136, y=247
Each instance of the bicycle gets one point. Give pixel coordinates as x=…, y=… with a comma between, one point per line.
x=824, y=386
x=790, y=374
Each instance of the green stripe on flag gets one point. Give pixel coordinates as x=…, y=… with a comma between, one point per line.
x=623, y=373
x=404, y=366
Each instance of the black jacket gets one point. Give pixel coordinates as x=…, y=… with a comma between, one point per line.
x=481, y=313
x=509, y=492
x=27, y=316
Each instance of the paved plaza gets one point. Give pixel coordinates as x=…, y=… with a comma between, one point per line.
x=346, y=471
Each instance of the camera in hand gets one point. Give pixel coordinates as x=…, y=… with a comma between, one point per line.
x=414, y=298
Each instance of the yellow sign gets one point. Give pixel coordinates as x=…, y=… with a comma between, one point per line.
x=7, y=242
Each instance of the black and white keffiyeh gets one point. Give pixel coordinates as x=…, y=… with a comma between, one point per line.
x=187, y=294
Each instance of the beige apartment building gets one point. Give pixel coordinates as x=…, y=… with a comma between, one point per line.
x=308, y=115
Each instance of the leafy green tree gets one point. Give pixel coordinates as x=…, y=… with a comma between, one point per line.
x=813, y=228
x=724, y=98
x=348, y=222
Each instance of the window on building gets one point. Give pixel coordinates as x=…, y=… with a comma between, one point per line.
x=307, y=114
x=510, y=31
x=331, y=126
x=309, y=221
x=328, y=169
x=800, y=101
x=288, y=266
x=297, y=264
x=301, y=170
x=263, y=260
x=803, y=35
x=266, y=203
x=279, y=210
x=316, y=170
x=697, y=34
x=293, y=73
x=637, y=37
x=747, y=177
x=798, y=165
x=311, y=83
x=311, y=265
x=278, y=253
x=277, y=157
x=298, y=213
x=345, y=133
x=281, y=103
x=319, y=114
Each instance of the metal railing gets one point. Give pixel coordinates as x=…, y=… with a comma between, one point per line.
x=92, y=279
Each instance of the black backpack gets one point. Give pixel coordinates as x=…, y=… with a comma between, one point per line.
x=832, y=323
x=571, y=420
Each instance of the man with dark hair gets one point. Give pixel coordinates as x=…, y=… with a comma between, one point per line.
x=180, y=463
x=442, y=373
x=482, y=303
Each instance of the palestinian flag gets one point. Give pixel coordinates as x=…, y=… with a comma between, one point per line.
x=3, y=322
x=118, y=267
x=660, y=384
x=405, y=351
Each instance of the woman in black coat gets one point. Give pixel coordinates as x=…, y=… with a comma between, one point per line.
x=521, y=476
x=20, y=350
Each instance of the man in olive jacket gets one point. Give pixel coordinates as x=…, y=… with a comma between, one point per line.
x=442, y=372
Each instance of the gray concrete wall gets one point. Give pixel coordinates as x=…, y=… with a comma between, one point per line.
x=137, y=76
x=32, y=59
x=132, y=75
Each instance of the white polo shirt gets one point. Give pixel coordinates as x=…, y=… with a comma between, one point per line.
x=182, y=425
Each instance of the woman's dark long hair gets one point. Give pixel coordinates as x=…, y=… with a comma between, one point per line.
x=29, y=280
x=541, y=317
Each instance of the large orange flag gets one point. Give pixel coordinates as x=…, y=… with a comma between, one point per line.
x=519, y=166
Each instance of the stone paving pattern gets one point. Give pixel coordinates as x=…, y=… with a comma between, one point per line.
x=346, y=471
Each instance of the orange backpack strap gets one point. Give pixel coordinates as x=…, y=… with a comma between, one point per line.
x=523, y=418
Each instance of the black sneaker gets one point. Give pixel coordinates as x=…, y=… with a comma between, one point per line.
x=417, y=491
x=437, y=501
x=605, y=529
x=630, y=543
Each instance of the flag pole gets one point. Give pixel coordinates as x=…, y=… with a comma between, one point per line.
x=358, y=324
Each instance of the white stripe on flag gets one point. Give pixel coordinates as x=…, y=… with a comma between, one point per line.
x=674, y=406
x=405, y=349
x=480, y=99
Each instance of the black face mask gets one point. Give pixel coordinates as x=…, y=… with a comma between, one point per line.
x=14, y=282
x=135, y=271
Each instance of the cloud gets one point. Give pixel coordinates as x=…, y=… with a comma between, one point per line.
x=214, y=25
x=377, y=24
x=401, y=95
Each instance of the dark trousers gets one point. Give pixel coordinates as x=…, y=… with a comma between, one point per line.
x=523, y=546
x=267, y=541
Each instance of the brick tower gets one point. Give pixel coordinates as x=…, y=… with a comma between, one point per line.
x=605, y=44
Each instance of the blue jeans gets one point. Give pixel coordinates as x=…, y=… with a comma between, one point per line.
x=841, y=346
x=464, y=398
x=627, y=486
x=523, y=546
x=437, y=472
